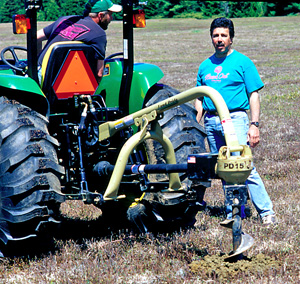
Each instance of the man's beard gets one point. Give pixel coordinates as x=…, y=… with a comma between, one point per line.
x=103, y=25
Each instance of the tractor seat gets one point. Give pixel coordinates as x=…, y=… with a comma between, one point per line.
x=68, y=69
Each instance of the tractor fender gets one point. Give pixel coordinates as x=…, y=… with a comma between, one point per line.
x=24, y=90
x=144, y=77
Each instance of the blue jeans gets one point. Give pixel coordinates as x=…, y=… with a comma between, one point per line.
x=215, y=137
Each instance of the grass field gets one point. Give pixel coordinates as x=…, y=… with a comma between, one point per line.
x=178, y=46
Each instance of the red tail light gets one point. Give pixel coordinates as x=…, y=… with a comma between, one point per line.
x=139, y=18
x=20, y=24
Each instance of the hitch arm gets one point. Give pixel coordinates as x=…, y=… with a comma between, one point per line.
x=155, y=133
x=108, y=129
x=151, y=114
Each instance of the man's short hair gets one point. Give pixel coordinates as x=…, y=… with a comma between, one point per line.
x=222, y=23
x=95, y=15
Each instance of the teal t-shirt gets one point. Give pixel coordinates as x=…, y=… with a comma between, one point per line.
x=234, y=77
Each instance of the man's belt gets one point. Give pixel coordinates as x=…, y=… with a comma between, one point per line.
x=214, y=113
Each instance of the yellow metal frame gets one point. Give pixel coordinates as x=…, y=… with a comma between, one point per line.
x=155, y=133
x=149, y=115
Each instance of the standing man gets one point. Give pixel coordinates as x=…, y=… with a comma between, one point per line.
x=89, y=29
x=236, y=78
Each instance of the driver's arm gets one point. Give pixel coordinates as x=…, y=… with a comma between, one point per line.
x=40, y=37
x=100, y=67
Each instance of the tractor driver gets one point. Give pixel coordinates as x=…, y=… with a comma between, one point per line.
x=89, y=29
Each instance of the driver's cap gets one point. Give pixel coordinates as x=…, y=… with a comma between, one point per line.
x=97, y=6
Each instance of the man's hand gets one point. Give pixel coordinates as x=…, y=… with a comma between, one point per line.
x=199, y=109
x=253, y=136
x=100, y=68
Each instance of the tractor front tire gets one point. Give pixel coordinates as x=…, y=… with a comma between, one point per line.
x=30, y=190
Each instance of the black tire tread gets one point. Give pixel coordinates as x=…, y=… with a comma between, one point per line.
x=180, y=126
x=30, y=191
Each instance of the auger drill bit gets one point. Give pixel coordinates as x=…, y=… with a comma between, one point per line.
x=237, y=196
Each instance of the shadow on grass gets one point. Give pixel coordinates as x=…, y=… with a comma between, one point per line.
x=78, y=230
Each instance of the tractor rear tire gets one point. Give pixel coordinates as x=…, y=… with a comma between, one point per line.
x=30, y=190
x=168, y=211
x=180, y=126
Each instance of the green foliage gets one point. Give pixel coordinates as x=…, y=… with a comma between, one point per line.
x=209, y=9
x=246, y=9
x=157, y=8
x=73, y=7
x=292, y=8
x=52, y=9
x=213, y=8
x=10, y=8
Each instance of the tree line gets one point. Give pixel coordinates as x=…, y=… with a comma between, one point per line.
x=52, y=9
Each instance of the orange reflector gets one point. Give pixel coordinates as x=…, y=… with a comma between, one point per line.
x=139, y=18
x=75, y=77
x=20, y=24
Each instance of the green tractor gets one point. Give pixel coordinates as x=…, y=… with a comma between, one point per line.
x=50, y=137
x=128, y=146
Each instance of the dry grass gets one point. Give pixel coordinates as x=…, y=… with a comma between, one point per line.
x=177, y=46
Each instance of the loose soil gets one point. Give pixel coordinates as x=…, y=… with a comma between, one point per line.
x=216, y=266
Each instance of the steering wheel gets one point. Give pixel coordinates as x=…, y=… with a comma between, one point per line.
x=114, y=55
x=18, y=65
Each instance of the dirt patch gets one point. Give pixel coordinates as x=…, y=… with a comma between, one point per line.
x=77, y=209
x=214, y=266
